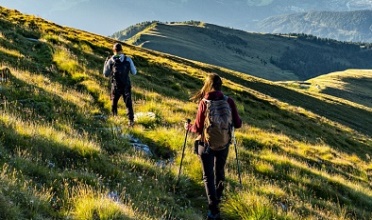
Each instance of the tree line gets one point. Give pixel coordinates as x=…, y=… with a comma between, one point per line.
x=322, y=56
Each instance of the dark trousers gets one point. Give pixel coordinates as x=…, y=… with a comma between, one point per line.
x=116, y=93
x=213, y=163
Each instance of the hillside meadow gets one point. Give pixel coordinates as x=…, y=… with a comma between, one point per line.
x=352, y=85
x=302, y=155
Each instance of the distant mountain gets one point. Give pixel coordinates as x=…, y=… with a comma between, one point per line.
x=273, y=57
x=353, y=26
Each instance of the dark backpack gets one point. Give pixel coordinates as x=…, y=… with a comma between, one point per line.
x=217, y=124
x=120, y=72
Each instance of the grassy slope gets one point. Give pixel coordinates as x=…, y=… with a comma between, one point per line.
x=198, y=43
x=350, y=88
x=352, y=85
x=302, y=156
x=267, y=56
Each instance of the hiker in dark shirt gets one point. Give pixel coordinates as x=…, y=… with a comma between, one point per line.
x=120, y=87
x=213, y=161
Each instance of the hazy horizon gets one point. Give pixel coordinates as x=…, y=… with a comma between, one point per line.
x=108, y=17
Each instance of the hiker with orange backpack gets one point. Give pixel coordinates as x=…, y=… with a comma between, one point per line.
x=118, y=67
x=216, y=116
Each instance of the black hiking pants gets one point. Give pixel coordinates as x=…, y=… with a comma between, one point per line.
x=126, y=92
x=213, y=163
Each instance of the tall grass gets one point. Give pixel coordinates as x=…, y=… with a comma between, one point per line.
x=88, y=203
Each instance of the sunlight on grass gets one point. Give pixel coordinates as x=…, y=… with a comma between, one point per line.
x=65, y=61
x=144, y=93
x=171, y=111
x=82, y=144
x=94, y=88
x=335, y=79
x=248, y=206
x=14, y=53
x=264, y=168
x=79, y=99
x=84, y=47
x=272, y=190
x=54, y=38
x=87, y=204
x=167, y=137
x=284, y=161
x=350, y=87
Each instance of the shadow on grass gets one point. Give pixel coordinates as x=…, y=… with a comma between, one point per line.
x=16, y=196
x=347, y=115
x=313, y=160
x=62, y=157
x=164, y=80
x=299, y=127
x=308, y=182
x=352, y=84
x=157, y=190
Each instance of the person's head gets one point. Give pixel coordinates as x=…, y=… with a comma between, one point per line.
x=212, y=82
x=117, y=48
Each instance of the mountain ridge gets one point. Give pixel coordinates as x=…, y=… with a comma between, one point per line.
x=269, y=56
x=353, y=26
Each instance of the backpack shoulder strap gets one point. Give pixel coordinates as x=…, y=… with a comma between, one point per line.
x=207, y=102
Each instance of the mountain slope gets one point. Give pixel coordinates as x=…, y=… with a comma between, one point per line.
x=352, y=85
x=353, y=26
x=130, y=31
x=62, y=157
x=273, y=57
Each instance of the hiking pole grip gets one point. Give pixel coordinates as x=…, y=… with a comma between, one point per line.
x=183, y=151
x=188, y=121
x=236, y=153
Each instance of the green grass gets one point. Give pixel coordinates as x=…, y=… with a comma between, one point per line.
x=351, y=85
x=274, y=57
x=302, y=154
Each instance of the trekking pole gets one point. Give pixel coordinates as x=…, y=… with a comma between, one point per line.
x=236, y=153
x=183, y=152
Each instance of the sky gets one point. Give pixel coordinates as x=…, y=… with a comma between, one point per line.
x=109, y=16
x=74, y=13
x=106, y=17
